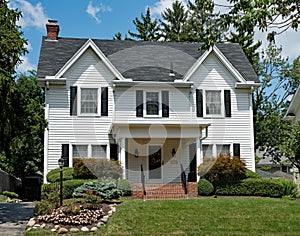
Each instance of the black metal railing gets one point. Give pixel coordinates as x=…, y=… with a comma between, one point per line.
x=183, y=179
x=143, y=180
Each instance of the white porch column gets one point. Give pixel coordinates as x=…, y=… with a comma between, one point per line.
x=198, y=155
x=46, y=143
x=122, y=156
x=108, y=151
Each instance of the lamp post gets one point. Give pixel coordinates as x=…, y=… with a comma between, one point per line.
x=61, y=163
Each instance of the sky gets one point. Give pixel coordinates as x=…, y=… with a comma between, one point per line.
x=100, y=19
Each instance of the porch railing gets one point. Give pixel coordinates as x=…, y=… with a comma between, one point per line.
x=143, y=180
x=183, y=179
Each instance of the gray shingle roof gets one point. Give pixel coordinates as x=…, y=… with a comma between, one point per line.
x=138, y=60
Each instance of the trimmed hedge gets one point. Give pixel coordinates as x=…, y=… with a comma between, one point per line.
x=250, y=187
x=124, y=186
x=95, y=168
x=10, y=194
x=253, y=175
x=54, y=175
x=205, y=188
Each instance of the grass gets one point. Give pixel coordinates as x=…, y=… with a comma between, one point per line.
x=203, y=216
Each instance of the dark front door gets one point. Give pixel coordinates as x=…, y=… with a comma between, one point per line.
x=154, y=162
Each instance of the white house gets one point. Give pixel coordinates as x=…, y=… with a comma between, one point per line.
x=158, y=105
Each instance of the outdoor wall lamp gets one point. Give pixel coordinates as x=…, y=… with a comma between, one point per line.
x=61, y=163
x=173, y=152
x=136, y=153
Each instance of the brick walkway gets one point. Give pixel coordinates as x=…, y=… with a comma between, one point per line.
x=14, y=216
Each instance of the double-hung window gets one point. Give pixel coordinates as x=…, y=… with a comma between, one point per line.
x=89, y=101
x=152, y=104
x=213, y=103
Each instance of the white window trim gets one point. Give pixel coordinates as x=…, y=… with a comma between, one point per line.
x=79, y=101
x=89, y=149
x=222, y=115
x=159, y=103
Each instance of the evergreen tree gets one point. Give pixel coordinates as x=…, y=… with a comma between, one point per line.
x=147, y=29
x=173, y=26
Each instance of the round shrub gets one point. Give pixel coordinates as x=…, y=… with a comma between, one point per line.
x=253, y=175
x=54, y=175
x=226, y=168
x=205, y=188
x=10, y=194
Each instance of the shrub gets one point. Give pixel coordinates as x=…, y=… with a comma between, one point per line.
x=54, y=175
x=93, y=168
x=102, y=189
x=124, y=186
x=68, y=187
x=226, y=168
x=10, y=194
x=289, y=188
x=50, y=201
x=205, y=188
x=253, y=175
x=250, y=187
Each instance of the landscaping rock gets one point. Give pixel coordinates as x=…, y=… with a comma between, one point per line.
x=53, y=230
x=104, y=219
x=113, y=209
x=93, y=229
x=43, y=226
x=85, y=229
x=62, y=231
x=56, y=227
x=31, y=222
x=36, y=226
x=74, y=230
x=99, y=224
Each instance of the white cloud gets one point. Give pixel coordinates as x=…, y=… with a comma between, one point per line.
x=94, y=11
x=160, y=6
x=25, y=65
x=32, y=15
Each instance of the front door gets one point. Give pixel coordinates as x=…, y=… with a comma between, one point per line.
x=154, y=163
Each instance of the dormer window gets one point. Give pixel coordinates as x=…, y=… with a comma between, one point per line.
x=213, y=102
x=89, y=101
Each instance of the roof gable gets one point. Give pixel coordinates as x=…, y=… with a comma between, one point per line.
x=139, y=60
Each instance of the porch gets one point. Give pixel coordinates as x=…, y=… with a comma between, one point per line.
x=160, y=161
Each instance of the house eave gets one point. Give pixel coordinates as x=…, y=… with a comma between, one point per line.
x=130, y=83
x=247, y=85
x=45, y=82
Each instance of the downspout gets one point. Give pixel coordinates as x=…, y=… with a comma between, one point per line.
x=46, y=134
x=199, y=155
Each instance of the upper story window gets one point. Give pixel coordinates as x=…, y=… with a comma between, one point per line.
x=152, y=103
x=87, y=101
x=213, y=103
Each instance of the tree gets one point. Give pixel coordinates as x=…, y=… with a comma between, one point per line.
x=12, y=46
x=148, y=30
x=173, y=26
x=266, y=15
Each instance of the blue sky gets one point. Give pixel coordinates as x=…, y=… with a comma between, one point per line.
x=99, y=19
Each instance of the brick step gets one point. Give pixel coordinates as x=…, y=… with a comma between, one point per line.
x=165, y=196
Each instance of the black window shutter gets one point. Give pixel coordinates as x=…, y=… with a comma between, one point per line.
x=73, y=101
x=236, y=150
x=139, y=103
x=165, y=103
x=104, y=101
x=65, y=154
x=227, y=101
x=199, y=102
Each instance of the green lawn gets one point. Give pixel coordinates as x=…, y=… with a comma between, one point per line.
x=205, y=216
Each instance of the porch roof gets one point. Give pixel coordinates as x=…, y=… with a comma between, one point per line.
x=158, y=130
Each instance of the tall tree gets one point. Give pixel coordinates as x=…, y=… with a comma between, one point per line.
x=147, y=29
x=12, y=46
x=173, y=26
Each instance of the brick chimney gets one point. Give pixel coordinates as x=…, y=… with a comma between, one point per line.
x=52, y=29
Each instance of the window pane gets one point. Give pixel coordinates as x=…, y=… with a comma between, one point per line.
x=152, y=103
x=89, y=100
x=80, y=151
x=207, y=150
x=223, y=149
x=213, y=102
x=99, y=151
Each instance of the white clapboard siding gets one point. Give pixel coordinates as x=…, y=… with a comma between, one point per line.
x=212, y=74
x=88, y=71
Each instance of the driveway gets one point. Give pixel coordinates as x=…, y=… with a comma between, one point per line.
x=14, y=216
